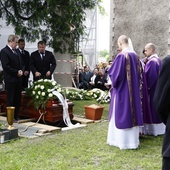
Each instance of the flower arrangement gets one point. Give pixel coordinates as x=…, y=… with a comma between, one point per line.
x=77, y=94
x=41, y=91
x=102, y=96
x=1, y=126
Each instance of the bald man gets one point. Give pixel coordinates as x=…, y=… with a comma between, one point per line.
x=125, y=113
x=152, y=122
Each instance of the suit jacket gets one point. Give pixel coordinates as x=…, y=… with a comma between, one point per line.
x=86, y=76
x=100, y=81
x=43, y=66
x=162, y=93
x=25, y=59
x=11, y=63
x=162, y=103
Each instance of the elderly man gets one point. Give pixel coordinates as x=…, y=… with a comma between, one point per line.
x=13, y=71
x=125, y=113
x=152, y=123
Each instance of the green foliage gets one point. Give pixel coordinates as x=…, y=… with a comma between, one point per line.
x=1, y=126
x=50, y=20
x=103, y=53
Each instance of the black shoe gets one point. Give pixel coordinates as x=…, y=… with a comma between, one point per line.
x=16, y=117
x=15, y=121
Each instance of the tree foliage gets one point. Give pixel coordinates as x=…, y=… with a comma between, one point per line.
x=103, y=53
x=59, y=22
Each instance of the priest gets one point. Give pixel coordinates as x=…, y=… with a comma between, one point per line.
x=125, y=113
x=152, y=123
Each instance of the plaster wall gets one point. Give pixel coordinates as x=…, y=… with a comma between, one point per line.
x=143, y=21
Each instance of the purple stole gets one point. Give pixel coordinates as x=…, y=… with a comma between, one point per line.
x=129, y=80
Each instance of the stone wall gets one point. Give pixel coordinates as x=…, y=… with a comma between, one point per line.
x=63, y=72
x=143, y=21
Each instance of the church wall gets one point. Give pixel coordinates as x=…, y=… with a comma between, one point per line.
x=143, y=21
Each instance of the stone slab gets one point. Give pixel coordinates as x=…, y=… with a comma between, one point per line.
x=82, y=120
x=2, y=113
x=42, y=126
x=3, y=118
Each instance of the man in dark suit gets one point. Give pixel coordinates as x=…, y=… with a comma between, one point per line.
x=42, y=62
x=162, y=105
x=25, y=56
x=13, y=71
x=85, y=78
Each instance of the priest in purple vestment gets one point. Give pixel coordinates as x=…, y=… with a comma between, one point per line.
x=125, y=113
x=152, y=122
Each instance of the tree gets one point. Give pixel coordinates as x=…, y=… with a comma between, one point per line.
x=103, y=53
x=59, y=22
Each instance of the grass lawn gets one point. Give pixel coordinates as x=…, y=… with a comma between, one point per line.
x=80, y=149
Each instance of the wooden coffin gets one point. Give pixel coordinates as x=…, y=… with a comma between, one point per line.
x=53, y=111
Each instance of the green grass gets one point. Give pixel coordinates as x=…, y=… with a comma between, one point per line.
x=80, y=149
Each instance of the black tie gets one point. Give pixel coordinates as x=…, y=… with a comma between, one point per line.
x=13, y=50
x=42, y=56
x=22, y=52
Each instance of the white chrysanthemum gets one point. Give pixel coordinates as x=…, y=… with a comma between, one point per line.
x=48, y=90
x=37, y=97
x=43, y=93
x=33, y=92
x=36, y=87
x=39, y=92
x=53, y=83
x=45, y=80
x=40, y=80
x=59, y=90
x=50, y=95
x=42, y=87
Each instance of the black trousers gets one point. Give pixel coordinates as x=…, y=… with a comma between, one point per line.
x=166, y=163
x=24, y=82
x=13, y=91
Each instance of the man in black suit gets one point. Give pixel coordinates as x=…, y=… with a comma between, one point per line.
x=42, y=62
x=162, y=105
x=85, y=78
x=25, y=56
x=13, y=71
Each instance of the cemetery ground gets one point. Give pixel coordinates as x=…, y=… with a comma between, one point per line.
x=80, y=149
